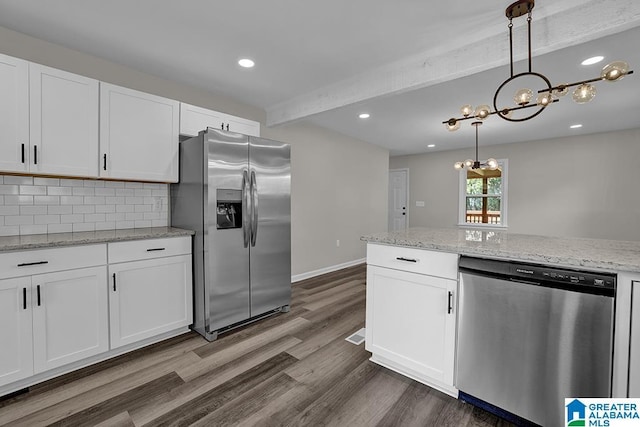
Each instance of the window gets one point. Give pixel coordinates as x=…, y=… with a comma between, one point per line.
x=483, y=196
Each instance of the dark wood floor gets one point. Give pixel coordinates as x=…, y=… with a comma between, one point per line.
x=293, y=369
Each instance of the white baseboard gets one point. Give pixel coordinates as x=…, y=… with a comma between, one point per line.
x=310, y=274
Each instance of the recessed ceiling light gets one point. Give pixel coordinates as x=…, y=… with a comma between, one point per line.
x=246, y=63
x=431, y=145
x=575, y=126
x=592, y=60
x=364, y=115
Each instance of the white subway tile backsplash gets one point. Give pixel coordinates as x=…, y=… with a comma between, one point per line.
x=125, y=192
x=10, y=210
x=18, y=200
x=47, y=219
x=46, y=200
x=59, y=191
x=71, y=200
x=58, y=210
x=33, y=210
x=59, y=228
x=34, y=205
x=105, y=191
x=18, y=220
x=84, y=191
x=71, y=219
x=18, y=180
x=9, y=189
x=84, y=227
x=84, y=209
x=33, y=229
x=46, y=181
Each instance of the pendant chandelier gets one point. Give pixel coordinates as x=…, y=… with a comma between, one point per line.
x=490, y=163
x=526, y=107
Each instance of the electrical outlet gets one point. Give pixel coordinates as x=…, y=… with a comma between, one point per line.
x=337, y=243
x=157, y=204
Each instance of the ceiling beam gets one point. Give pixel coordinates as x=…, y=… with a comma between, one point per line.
x=587, y=21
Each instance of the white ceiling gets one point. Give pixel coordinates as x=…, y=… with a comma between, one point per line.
x=410, y=63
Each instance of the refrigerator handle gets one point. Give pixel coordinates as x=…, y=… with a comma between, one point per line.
x=246, y=219
x=254, y=208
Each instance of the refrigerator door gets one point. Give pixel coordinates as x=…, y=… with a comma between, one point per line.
x=270, y=176
x=226, y=221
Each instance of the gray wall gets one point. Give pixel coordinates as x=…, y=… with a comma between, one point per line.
x=339, y=184
x=581, y=186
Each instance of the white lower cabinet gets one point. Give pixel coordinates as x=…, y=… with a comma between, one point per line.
x=411, y=318
x=149, y=297
x=16, y=357
x=70, y=318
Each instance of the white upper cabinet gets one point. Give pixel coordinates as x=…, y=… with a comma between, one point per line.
x=194, y=119
x=138, y=135
x=63, y=123
x=14, y=114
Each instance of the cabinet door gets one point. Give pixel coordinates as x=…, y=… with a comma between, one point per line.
x=64, y=122
x=16, y=357
x=138, y=135
x=240, y=125
x=14, y=114
x=70, y=316
x=634, y=355
x=147, y=298
x=409, y=321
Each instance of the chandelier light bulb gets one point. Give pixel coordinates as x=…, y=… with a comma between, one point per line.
x=543, y=99
x=584, y=93
x=614, y=71
x=505, y=112
x=492, y=163
x=482, y=112
x=452, y=125
x=468, y=163
x=458, y=165
x=466, y=110
x=523, y=97
x=561, y=90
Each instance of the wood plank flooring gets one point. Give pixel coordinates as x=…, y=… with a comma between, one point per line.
x=293, y=369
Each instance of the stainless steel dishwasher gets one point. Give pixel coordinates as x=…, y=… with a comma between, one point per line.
x=530, y=336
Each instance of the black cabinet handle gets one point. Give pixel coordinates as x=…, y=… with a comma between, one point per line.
x=400, y=258
x=38, y=291
x=22, y=153
x=104, y=161
x=114, y=282
x=35, y=154
x=227, y=126
x=155, y=249
x=450, y=302
x=222, y=126
x=24, y=298
x=26, y=264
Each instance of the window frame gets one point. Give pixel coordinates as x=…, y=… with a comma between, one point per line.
x=462, y=199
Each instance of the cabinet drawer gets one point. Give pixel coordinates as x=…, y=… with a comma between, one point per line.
x=148, y=249
x=38, y=261
x=433, y=263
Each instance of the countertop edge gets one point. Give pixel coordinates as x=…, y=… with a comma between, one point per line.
x=45, y=241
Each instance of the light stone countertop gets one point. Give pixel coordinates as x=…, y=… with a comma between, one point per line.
x=41, y=241
x=597, y=254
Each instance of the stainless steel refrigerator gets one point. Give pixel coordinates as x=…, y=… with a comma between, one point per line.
x=234, y=191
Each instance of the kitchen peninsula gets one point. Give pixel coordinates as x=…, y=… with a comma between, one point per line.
x=415, y=297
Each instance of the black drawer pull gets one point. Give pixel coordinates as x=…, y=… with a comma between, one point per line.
x=155, y=249
x=450, y=308
x=38, y=290
x=26, y=264
x=24, y=298
x=400, y=258
x=114, y=282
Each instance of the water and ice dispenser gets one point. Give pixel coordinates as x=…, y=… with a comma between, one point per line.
x=228, y=208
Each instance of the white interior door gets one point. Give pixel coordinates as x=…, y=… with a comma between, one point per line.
x=398, y=212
